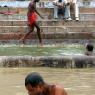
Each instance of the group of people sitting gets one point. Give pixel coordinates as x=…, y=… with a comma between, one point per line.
x=62, y=9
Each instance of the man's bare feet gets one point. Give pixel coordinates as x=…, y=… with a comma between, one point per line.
x=22, y=45
x=40, y=44
x=22, y=40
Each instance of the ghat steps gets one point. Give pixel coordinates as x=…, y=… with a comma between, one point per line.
x=51, y=29
x=13, y=27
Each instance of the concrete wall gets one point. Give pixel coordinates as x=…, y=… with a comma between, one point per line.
x=48, y=61
x=85, y=13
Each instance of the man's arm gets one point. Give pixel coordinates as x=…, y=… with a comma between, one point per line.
x=38, y=13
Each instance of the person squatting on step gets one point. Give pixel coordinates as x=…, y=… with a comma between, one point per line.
x=32, y=17
x=35, y=85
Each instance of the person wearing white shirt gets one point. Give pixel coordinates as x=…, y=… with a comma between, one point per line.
x=68, y=5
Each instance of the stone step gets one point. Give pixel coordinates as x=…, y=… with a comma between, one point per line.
x=86, y=10
x=47, y=23
x=66, y=29
x=61, y=61
x=49, y=29
x=85, y=13
x=52, y=41
x=46, y=41
x=72, y=35
x=47, y=10
x=65, y=23
x=82, y=16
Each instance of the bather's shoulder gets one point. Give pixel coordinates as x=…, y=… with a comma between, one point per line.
x=59, y=90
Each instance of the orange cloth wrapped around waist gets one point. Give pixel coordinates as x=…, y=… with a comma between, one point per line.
x=32, y=18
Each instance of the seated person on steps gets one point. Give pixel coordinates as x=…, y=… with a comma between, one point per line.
x=66, y=5
x=59, y=9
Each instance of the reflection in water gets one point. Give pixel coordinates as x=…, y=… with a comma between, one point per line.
x=75, y=81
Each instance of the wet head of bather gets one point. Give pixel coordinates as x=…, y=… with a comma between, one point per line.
x=35, y=85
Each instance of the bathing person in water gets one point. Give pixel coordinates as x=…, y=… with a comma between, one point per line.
x=89, y=49
x=35, y=85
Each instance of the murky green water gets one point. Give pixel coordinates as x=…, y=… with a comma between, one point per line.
x=75, y=81
x=42, y=51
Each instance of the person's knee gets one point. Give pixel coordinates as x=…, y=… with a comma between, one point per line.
x=38, y=29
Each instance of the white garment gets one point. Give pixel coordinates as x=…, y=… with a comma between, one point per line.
x=67, y=1
x=67, y=12
x=55, y=9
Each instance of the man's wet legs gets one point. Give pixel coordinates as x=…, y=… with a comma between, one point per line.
x=31, y=29
x=38, y=33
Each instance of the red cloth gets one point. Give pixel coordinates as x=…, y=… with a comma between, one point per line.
x=32, y=18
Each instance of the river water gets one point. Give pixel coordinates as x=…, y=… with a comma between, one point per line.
x=75, y=81
x=46, y=50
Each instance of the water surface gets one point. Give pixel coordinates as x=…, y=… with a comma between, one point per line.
x=75, y=81
x=47, y=50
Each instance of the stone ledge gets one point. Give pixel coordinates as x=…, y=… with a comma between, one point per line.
x=78, y=61
x=24, y=10
x=82, y=16
x=47, y=22
x=49, y=35
x=47, y=41
x=85, y=13
x=49, y=29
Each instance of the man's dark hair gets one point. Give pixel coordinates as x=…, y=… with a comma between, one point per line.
x=89, y=47
x=33, y=79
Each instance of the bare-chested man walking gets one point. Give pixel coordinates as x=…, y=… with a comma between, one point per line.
x=31, y=15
